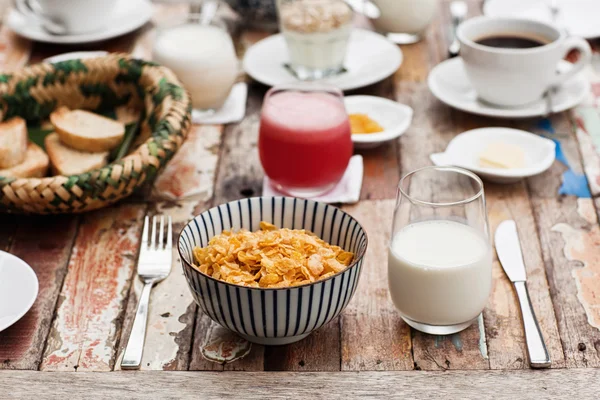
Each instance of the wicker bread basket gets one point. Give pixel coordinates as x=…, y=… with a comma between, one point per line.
x=96, y=84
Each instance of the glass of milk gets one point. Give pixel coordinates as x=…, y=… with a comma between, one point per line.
x=404, y=21
x=203, y=58
x=440, y=256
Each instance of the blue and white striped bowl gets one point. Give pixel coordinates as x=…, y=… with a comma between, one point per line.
x=274, y=316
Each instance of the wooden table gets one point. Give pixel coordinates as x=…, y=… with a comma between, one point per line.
x=88, y=289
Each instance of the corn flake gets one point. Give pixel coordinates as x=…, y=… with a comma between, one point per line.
x=270, y=257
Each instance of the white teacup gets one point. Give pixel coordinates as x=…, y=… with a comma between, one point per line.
x=75, y=16
x=512, y=76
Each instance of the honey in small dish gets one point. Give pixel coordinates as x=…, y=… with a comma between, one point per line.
x=362, y=123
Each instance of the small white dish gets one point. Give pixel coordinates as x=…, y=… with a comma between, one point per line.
x=18, y=289
x=463, y=151
x=370, y=58
x=128, y=16
x=395, y=118
x=74, y=55
x=448, y=82
x=578, y=17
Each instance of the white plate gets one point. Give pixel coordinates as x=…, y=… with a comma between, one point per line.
x=578, y=17
x=75, y=55
x=18, y=289
x=370, y=58
x=449, y=83
x=463, y=151
x=395, y=118
x=128, y=16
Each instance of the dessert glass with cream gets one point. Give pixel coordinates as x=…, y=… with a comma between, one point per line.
x=440, y=256
x=203, y=58
x=317, y=34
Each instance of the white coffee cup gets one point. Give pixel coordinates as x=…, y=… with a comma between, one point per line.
x=512, y=77
x=71, y=16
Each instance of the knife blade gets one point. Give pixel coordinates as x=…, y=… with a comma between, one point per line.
x=508, y=248
x=509, y=252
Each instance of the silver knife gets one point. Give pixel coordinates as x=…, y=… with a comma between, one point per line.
x=509, y=252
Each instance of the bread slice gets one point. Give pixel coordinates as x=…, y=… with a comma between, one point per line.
x=86, y=131
x=68, y=161
x=35, y=164
x=13, y=142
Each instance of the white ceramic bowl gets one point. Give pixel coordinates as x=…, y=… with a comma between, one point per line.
x=274, y=316
x=463, y=151
x=395, y=118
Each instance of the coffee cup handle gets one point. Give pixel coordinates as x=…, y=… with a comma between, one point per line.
x=585, y=55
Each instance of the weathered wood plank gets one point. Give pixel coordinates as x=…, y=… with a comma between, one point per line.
x=45, y=244
x=557, y=217
x=88, y=318
x=318, y=352
x=467, y=385
x=504, y=329
x=374, y=337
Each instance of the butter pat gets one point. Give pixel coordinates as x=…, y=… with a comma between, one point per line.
x=502, y=155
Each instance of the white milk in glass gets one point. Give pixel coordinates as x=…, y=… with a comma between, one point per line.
x=203, y=58
x=440, y=272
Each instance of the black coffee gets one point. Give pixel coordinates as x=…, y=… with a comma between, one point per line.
x=511, y=42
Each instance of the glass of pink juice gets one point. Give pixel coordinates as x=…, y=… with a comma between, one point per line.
x=304, y=139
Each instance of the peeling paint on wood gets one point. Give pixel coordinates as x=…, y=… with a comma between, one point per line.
x=86, y=327
x=191, y=172
x=223, y=346
x=582, y=246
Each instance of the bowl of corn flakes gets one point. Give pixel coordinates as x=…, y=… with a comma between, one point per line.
x=273, y=269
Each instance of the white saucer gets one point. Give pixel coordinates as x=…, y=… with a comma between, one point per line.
x=18, y=289
x=75, y=55
x=370, y=58
x=128, y=16
x=463, y=151
x=395, y=118
x=578, y=17
x=449, y=83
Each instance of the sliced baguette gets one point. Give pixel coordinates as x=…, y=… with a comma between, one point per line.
x=86, y=131
x=68, y=161
x=13, y=142
x=35, y=164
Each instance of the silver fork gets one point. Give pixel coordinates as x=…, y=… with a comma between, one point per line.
x=154, y=265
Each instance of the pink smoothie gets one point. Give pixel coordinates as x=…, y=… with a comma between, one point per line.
x=305, y=139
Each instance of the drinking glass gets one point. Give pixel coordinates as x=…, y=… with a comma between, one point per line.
x=203, y=57
x=317, y=34
x=404, y=21
x=440, y=257
x=304, y=138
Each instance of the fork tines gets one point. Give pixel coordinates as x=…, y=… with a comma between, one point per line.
x=153, y=244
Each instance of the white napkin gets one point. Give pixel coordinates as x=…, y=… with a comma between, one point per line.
x=347, y=190
x=233, y=109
